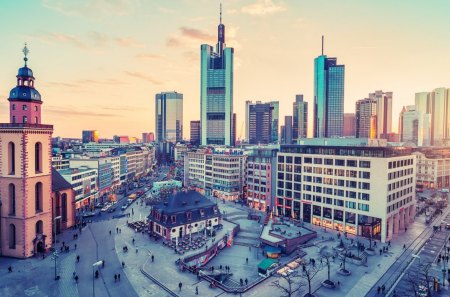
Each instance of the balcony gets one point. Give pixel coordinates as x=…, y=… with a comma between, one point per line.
x=25, y=125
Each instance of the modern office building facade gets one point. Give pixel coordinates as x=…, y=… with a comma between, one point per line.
x=169, y=117
x=261, y=178
x=329, y=80
x=349, y=125
x=89, y=136
x=195, y=133
x=410, y=125
x=433, y=167
x=383, y=112
x=286, y=135
x=299, y=118
x=216, y=92
x=217, y=172
x=365, y=117
x=258, y=121
x=367, y=191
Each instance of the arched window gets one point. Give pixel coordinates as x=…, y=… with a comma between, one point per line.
x=24, y=119
x=38, y=197
x=12, y=158
x=39, y=227
x=12, y=199
x=12, y=236
x=64, y=207
x=13, y=107
x=38, y=157
x=36, y=120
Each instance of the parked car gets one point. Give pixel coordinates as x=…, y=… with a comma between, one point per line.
x=112, y=209
x=99, y=205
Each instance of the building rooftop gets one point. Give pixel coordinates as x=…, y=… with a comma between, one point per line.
x=277, y=232
x=58, y=182
x=71, y=171
x=350, y=151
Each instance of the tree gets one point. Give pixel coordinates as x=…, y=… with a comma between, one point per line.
x=326, y=257
x=309, y=272
x=419, y=277
x=344, y=253
x=288, y=284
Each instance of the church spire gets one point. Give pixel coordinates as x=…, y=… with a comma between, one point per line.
x=25, y=52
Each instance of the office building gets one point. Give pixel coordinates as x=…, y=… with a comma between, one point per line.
x=349, y=125
x=366, y=191
x=261, y=178
x=258, y=121
x=84, y=183
x=195, y=133
x=275, y=120
x=26, y=215
x=89, y=136
x=365, y=116
x=328, y=97
x=218, y=172
x=300, y=118
x=410, y=125
x=216, y=92
x=383, y=113
x=422, y=105
x=433, y=167
x=169, y=117
x=148, y=137
x=287, y=130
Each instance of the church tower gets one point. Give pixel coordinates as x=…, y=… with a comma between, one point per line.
x=25, y=172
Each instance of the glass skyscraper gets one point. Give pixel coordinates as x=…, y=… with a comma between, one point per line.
x=216, y=92
x=328, y=97
x=300, y=118
x=169, y=117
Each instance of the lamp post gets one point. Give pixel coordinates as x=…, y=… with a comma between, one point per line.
x=55, y=251
x=98, y=263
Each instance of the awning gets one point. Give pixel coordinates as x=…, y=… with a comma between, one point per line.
x=266, y=263
x=272, y=250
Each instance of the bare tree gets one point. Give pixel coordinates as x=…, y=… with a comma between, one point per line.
x=420, y=278
x=309, y=272
x=326, y=260
x=288, y=284
x=343, y=255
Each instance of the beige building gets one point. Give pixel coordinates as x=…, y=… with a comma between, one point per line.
x=433, y=168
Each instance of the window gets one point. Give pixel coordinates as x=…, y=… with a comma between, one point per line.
x=12, y=199
x=14, y=119
x=39, y=227
x=24, y=107
x=12, y=236
x=12, y=158
x=38, y=157
x=35, y=108
x=38, y=197
x=36, y=120
x=13, y=107
x=174, y=219
x=24, y=119
x=64, y=207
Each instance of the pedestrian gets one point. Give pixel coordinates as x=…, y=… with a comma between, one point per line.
x=120, y=230
x=383, y=288
x=117, y=230
x=78, y=258
x=153, y=258
x=109, y=232
x=133, y=240
x=180, y=285
x=246, y=282
x=380, y=252
x=340, y=265
x=75, y=246
x=404, y=246
x=9, y=269
x=123, y=264
x=115, y=277
x=96, y=274
x=103, y=263
x=339, y=283
x=196, y=290
x=378, y=290
x=118, y=276
x=136, y=250
x=76, y=279
x=246, y=260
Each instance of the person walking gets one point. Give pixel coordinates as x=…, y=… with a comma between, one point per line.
x=180, y=285
x=76, y=279
x=153, y=258
x=123, y=264
x=118, y=276
x=196, y=290
x=115, y=277
x=9, y=269
x=246, y=260
x=75, y=246
x=246, y=282
x=103, y=263
x=109, y=232
x=78, y=258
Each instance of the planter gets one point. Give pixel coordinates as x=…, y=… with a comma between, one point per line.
x=356, y=260
x=344, y=272
x=371, y=252
x=309, y=295
x=328, y=284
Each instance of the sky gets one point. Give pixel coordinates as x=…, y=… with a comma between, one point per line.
x=99, y=63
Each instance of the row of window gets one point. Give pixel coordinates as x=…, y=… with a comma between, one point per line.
x=400, y=163
x=12, y=158
x=38, y=200
x=24, y=107
x=399, y=184
x=325, y=161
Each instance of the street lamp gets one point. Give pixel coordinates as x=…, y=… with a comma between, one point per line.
x=98, y=263
x=55, y=251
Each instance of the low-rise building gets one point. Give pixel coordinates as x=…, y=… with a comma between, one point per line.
x=183, y=214
x=433, y=167
x=84, y=183
x=103, y=166
x=218, y=172
x=59, y=162
x=367, y=191
x=63, y=202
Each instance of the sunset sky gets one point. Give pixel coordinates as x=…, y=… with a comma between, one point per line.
x=99, y=63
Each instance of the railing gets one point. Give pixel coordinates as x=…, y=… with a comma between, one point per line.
x=25, y=125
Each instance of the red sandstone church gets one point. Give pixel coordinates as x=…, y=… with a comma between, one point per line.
x=28, y=203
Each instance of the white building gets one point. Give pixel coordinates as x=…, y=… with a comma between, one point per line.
x=84, y=183
x=218, y=172
x=368, y=191
x=58, y=162
x=433, y=168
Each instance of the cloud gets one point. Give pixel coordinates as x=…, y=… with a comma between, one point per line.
x=93, y=9
x=61, y=38
x=74, y=111
x=144, y=56
x=191, y=56
x=195, y=33
x=173, y=42
x=83, y=82
x=264, y=7
x=167, y=10
x=144, y=77
x=127, y=42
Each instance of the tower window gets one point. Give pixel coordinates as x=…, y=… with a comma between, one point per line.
x=13, y=107
x=12, y=199
x=12, y=158
x=35, y=108
x=36, y=120
x=38, y=157
x=38, y=197
x=39, y=227
x=24, y=119
x=24, y=107
x=12, y=236
x=14, y=119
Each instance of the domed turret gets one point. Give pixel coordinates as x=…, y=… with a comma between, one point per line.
x=24, y=99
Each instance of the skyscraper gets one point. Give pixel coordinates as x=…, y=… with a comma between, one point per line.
x=383, y=113
x=89, y=136
x=422, y=105
x=349, y=125
x=328, y=97
x=216, y=91
x=258, y=122
x=439, y=104
x=365, y=111
x=410, y=125
x=195, y=132
x=275, y=120
x=287, y=130
x=169, y=117
x=300, y=118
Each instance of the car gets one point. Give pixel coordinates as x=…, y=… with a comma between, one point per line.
x=99, y=205
x=89, y=214
x=112, y=209
x=124, y=207
x=445, y=190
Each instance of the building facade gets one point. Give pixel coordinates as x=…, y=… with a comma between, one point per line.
x=89, y=136
x=169, y=117
x=328, y=97
x=84, y=182
x=216, y=92
x=433, y=167
x=367, y=191
x=217, y=172
x=383, y=112
x=349, y=125
x=300, y=118
x=261, y=178
x=63, y=202
x=25, y=173
x=287, y=130
x=258, y=120
x=410, y=125
x=195, y=133
x=365, y=117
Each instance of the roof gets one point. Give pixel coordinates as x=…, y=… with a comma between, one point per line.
x=183, y=201
x=58, y=182
x=266, y=263
x=24, y=93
